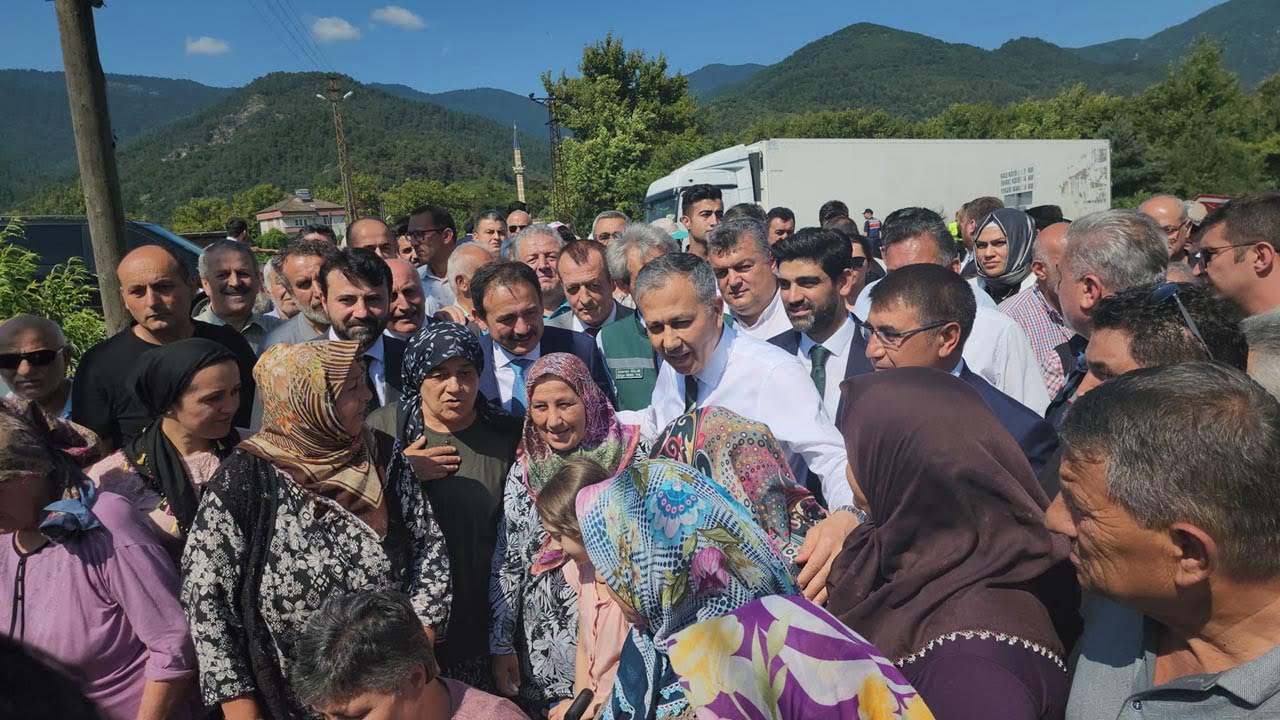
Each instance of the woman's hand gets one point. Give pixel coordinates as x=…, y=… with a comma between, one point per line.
x=506, y=675
x=558, y=710
x=432, y=463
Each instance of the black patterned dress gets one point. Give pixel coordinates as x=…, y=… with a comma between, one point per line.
x=313, y=549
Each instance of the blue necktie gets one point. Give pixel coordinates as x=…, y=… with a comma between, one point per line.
x=519, y=401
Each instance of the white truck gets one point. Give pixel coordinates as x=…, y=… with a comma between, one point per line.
x=885, y=175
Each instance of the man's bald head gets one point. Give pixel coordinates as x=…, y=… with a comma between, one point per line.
x=42, y=357
x=157, y=290
x=152, y=257
x=518, y=220
x=372, y=233
x=464, y=262
x=1046, y=257
x=42, y=328
x=1170, y=214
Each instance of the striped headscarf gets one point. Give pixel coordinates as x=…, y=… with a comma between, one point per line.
x=302, y=435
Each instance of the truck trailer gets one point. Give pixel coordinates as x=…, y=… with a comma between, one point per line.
x=885, y=175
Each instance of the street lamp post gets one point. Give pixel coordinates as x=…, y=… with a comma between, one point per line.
x=336, y=98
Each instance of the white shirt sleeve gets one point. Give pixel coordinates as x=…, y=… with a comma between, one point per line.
x=794, y=412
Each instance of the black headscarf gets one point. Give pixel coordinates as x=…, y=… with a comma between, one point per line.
x=956, y=539
x=162, y=376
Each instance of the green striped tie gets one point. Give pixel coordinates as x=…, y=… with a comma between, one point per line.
x=819, y=354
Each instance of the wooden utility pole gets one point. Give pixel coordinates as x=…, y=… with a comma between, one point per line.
x=95, y=151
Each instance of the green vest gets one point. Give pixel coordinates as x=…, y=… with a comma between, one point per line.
x=629, y=355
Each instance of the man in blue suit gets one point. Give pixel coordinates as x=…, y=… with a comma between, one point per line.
x=815, y=273
x=921, y=316
x=508, y=302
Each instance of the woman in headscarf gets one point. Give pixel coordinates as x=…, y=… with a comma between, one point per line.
x=1002, y=250
x=534, y=630
x=298, y=513
x=718, y=628
x=86, y=583
x=191, y=388
x=955, y=576
x=442, y=408
x=743, y=458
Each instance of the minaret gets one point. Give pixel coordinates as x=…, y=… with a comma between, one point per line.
x=519, y=166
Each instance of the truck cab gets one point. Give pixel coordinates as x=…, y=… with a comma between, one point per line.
x=735, y=170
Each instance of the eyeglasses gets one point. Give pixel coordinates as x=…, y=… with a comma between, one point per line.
x=1208, y=253
x=1172, y=229
x=858, y=262
x=605, y=237
x=37, y=358
x=1170, y=290
x=894, y=340
x=420, y=235
x=513, y=229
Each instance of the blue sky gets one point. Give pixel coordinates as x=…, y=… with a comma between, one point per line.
x=507, y=43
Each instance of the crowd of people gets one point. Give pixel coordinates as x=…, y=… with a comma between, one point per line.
x=1022, y=467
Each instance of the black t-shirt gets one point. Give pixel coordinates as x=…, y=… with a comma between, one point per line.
x=103, y=401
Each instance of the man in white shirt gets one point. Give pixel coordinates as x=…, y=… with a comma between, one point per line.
x=238, y=230
x=432, y=230
x=588, y=288
x=708, y=363
x=739, y=256
x=355, y=286
x=997, y=349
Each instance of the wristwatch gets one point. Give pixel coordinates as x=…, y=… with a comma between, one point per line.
x=853, y=509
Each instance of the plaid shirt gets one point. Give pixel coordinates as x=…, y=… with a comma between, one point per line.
x=1046, y=330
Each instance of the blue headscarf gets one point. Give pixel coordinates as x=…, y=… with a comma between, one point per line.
x=31, y=442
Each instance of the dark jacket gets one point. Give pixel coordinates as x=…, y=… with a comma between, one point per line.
x=554, y=340
x=1035, y=435
x=858, y=363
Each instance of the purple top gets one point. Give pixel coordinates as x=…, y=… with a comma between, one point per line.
x=472, y=704
x=105, y=606
x=976, y=679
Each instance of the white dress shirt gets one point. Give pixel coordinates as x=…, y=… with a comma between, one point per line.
x=439, y=290
x=376, y=357
x=506, y=375
x=999, y=351
x=862, y=307
x=837, y=362
x=760, y=382
x=771, y=323
x=581, y=327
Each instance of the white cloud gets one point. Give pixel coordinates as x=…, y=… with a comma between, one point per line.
x=334, y=29
x=398, y=16
x=205, y=45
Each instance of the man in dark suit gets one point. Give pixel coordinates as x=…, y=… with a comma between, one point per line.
x=815, y=272
x=921, y=316
x=508, y=301
x=356, y=288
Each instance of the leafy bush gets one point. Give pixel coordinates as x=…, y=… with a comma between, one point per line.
x=64, y=296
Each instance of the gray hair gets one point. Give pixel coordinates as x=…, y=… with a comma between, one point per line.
x=367, y=641
x=1124, y=248
x=1197, y=442
x=271, y=274
x=727, y=235
x=1262, y=332
x=638, y=238
x=535, y=230
x=609, y=215
x=465, y=262
x=657, y=274
x=220, y=246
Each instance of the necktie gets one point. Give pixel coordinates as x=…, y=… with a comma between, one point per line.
x=374, y=403
x=592, y=331
x=690, y=393
x=519, y=401
x=819, y=354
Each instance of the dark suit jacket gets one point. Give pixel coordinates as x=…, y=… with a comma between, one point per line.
x=858, y=363
x=554, y=340
x=566, y=320
x=1034, y=434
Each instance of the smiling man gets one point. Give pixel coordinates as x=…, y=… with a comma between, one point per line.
x=157, y=290
x=707, y=363
x=538, y=246
x=230, y=277
x=1169, y=505
x=744, y=270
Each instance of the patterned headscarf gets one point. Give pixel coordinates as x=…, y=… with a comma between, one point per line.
x=678, y=549
x=1020, y=234
x=32, y=442
x=605, y=440
x=429, y=348
x=302, y=435
x=743, y=457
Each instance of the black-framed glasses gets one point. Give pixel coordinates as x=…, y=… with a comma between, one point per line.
x=420, y=235
x=894, y=340
x=37, y=358
x=858, y=262
x=513, y=229
x=1207, y=254
x=1170, y=290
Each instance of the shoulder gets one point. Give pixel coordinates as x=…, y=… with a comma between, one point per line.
x=268, y=322
x=1005, y=407
x=762, y=353
x=112, y=346
x=385, y=419
x=555, y=339
x=624, y=312
x=564, y=322
x=125, y=526
x=110, y=469
x=788, y=341
x=472, y=704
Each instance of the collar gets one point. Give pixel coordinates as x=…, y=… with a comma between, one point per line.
x=582, y=327
x=959, y=368
x=1053, y=315
x=774, y=307
x=209, y=316
x=714, y=368
x=378, y=351
x=1254, y=682
x=503, y=358
x=425, y=273
x=397, y=335
x=839, y=342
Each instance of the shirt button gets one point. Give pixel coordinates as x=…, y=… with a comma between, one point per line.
x=1137, y=705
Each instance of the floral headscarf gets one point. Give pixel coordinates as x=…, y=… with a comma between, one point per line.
x=605, y=440
x=32, y=442
x=678, y=549
x=302, y=435
x=429, y=348
x=743, y=457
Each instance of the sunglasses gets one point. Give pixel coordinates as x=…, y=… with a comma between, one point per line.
x=1170, y=290
x=513, y=229
x=36, y=358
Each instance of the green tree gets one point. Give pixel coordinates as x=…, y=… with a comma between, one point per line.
x=273, y=239
x=247, y=204
x=201, y=214
x=631, y=123
x=368, y=190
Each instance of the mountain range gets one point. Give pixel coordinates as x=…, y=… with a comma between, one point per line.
x=178, y=138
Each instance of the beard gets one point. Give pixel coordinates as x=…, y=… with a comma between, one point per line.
x=820, y=316
x=365, y=333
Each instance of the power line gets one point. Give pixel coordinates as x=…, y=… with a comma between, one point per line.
x=291, y=35
x=288, y=5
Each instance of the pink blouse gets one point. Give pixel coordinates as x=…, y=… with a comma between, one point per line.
x=606, y=627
